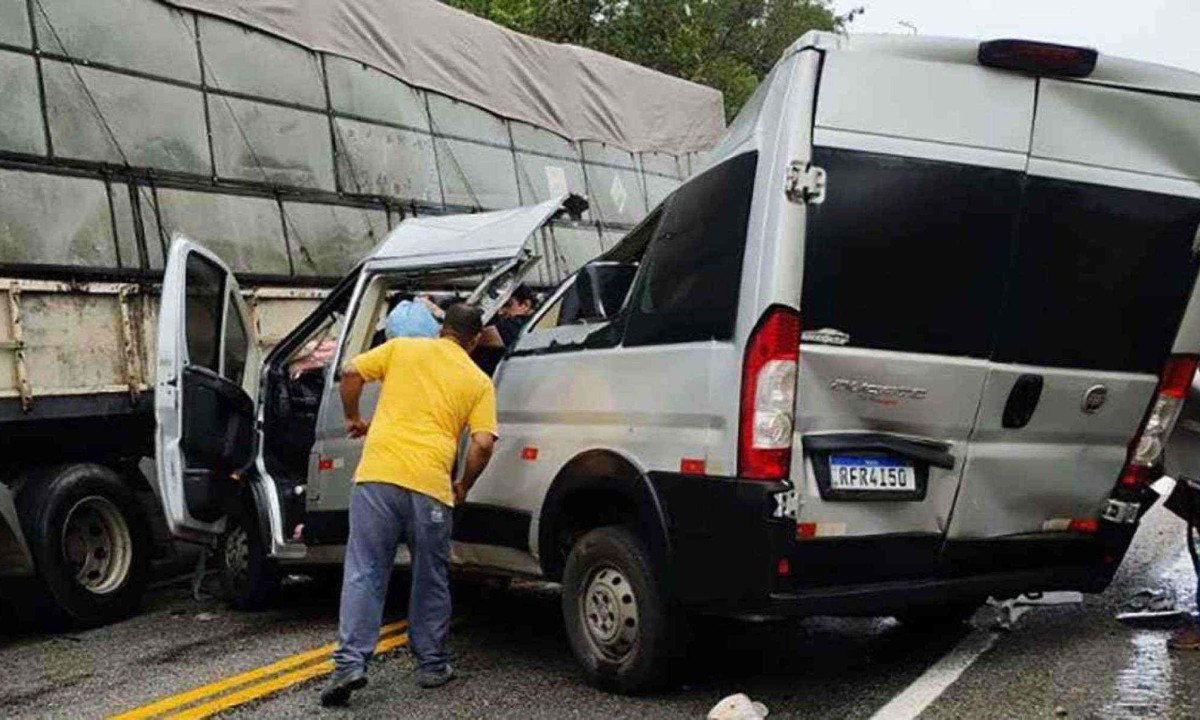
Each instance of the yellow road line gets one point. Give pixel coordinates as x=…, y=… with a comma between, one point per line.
x=275, y=684
x=173, y=702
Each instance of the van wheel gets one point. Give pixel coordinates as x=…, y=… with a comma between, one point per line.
x=615, y=612
x=945, y=615
x=90, y=541
x=249, y=579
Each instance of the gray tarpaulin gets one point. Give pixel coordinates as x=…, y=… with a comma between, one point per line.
x=579, y=93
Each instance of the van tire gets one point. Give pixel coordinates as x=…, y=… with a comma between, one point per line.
x=249, y=579
x=622, y=639
x=91, y=544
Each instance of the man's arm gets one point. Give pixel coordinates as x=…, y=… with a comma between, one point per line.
x=351, y=389
x=478, y=454
x=490, y=338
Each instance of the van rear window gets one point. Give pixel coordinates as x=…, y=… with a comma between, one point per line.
x=1101, y=277
x=909, y=254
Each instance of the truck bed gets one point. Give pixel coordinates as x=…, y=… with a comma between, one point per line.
x=80, y=352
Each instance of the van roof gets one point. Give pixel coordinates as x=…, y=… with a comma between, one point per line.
x=1110, y=70
x=475, y=237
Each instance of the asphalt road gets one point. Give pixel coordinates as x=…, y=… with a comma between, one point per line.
x=1071, y=660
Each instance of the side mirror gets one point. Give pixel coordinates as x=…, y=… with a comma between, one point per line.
x=598, y=293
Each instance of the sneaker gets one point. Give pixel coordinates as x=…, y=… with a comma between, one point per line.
x=429, y=679
x=341, y=685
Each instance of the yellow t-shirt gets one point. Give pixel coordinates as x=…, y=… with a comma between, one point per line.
x=431, y=391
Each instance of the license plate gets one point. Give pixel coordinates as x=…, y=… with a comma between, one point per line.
x=881, y=474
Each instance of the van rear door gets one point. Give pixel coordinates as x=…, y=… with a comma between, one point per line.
x=1102, y=271
x=902, y=287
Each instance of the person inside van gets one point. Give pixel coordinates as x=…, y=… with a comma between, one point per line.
x=515, y=313
x=419, y=317
x=502, y=333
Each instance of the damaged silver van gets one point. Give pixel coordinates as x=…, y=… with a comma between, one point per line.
x=917, y=336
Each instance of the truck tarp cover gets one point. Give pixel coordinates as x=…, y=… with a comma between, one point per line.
x=578, y=93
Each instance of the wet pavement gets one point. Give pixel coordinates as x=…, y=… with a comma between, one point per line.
x=1071, y=661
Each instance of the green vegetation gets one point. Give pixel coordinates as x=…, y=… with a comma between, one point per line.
x=727, y=44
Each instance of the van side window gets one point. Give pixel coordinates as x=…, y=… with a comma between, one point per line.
x=909, y=254
x=205, y=283
x=687, y=288
x=237, y=343
x=550, y=316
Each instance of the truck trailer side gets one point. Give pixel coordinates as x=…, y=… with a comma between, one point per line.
x=79, y=518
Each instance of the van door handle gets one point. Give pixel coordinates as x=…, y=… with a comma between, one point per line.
x=1022, y=401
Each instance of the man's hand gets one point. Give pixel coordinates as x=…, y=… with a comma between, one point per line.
x=460, y=492
x=351, y=389
x=357, y=427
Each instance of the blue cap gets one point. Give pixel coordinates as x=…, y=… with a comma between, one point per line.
x=411, y=319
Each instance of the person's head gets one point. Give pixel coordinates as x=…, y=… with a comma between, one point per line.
x=463, y=324
x=520, y=303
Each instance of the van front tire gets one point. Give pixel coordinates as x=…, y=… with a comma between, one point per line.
x=615, y=612
x=249, y=579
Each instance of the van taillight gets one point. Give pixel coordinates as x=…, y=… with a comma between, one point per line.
x=1144, y=464
x=1039, y=58
x=769, y=396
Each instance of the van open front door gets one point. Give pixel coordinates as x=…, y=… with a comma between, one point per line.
x=207, y=372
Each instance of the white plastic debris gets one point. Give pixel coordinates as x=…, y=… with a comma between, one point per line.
x=1151, y=604
x=1063, y=597
x=738, y=707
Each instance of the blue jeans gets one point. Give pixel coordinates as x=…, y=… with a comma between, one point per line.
x=381, y=516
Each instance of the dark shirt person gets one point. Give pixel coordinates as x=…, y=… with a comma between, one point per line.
x=504, y=330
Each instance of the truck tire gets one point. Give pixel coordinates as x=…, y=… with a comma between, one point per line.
x=249, y=579
x=616, y=614
x=90, y=541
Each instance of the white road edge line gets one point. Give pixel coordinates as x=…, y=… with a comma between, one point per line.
x=913, y=700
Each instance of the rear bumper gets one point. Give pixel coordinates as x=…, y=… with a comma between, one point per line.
x=727, y=538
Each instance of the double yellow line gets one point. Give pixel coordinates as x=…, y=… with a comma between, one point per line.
x=211, y=699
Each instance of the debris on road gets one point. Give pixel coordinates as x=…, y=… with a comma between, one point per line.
x=1150, y=604
x=1046, y=599
x=738, y=707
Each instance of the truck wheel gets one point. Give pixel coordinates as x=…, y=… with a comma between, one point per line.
x=91, y=543
x=249, y=579
x=615, y=612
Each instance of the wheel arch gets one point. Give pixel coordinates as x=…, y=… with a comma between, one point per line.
x=598, y=487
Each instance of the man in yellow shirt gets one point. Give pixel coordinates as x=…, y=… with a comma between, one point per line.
x=431, y=391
